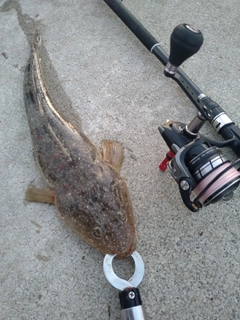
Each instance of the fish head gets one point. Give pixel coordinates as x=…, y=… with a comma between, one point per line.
x=101, y=214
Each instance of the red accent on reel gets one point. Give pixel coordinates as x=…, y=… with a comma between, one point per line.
x=169, y=156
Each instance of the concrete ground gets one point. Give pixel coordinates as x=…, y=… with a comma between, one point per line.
x=98, y=72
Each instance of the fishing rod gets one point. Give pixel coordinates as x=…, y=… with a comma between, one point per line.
x=204, y=175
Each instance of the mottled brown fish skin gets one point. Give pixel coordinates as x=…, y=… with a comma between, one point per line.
x=90, y=195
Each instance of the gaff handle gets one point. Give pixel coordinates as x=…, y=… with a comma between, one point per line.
x=131, y=304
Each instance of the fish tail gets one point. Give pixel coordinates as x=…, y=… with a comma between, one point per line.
x=36, y=40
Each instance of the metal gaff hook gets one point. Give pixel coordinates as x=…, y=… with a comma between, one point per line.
x=120, y=283
x=130, y=299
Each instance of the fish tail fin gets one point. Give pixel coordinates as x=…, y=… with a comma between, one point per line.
x=113, y=153
x=36, y=40
x=40, y=195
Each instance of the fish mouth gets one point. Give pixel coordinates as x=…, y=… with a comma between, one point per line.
x=127, y=253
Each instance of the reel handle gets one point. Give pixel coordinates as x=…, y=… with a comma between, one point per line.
x=185, y=41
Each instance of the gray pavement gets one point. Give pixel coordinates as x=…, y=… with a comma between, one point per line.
x=102, y=77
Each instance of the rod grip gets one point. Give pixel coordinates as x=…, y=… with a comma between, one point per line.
x=132, y=23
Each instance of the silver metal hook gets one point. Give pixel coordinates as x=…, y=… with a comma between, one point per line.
x=120, y=283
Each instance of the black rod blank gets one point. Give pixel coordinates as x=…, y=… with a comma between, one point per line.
x=138, y=29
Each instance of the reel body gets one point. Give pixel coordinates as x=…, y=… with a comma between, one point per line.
x=204, y=175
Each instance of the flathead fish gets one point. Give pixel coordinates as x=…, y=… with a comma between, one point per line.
x=84, y=183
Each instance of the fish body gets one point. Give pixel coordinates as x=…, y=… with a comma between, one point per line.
x=85, y=184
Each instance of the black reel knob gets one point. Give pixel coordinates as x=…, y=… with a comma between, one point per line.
x=185, y=41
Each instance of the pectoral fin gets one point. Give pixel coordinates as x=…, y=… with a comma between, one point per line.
x=40, y=195
x=113, y=153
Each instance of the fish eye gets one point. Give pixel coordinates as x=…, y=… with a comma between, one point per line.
x=122, y=216
x=97, y=232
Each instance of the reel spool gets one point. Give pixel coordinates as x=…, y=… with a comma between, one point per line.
x=215, y=176
x=203, y=174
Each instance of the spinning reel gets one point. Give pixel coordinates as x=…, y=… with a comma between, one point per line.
x=197, y=164
x=203, y=173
